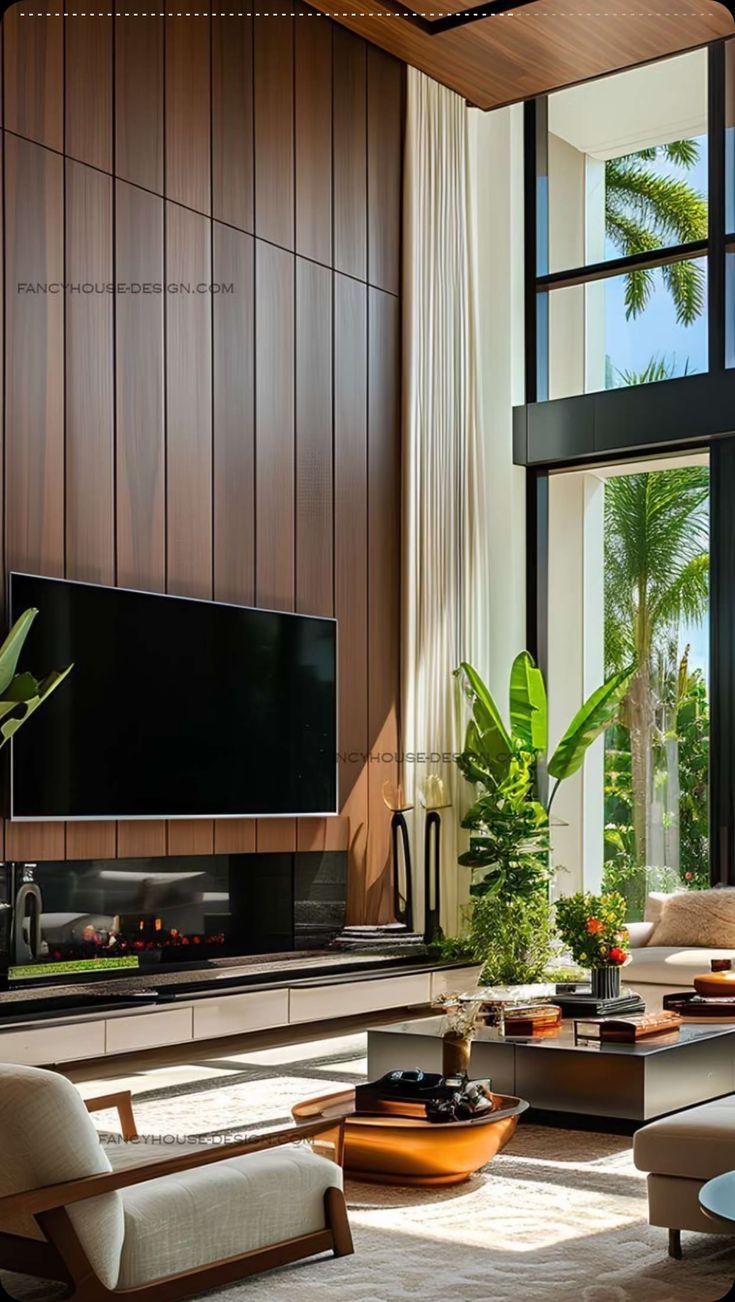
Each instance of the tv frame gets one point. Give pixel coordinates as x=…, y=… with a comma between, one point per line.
x=202, y=601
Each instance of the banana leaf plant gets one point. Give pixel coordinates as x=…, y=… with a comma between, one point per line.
x=21, y=693
x=508, y=824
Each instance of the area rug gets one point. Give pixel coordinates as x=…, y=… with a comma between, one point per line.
x=560, y=1215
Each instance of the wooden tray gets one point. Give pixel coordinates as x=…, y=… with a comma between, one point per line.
x=681, y=1002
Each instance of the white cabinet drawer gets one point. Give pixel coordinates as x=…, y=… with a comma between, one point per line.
x=149, y=1030
x=45, y=1045
x=311, y=1003
x=233, y=1014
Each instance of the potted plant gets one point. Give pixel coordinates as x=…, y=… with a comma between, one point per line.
x=593, y=929
x=508, y=824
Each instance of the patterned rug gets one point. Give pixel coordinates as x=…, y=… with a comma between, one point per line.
x=560, y=1215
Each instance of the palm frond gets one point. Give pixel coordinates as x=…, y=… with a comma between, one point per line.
x=686, y=282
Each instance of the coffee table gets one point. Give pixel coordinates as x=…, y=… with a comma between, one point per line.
x=388, y=1149
x=630, y=1083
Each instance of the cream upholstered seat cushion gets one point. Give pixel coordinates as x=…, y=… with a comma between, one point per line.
x=179, y=1222
x=664, y=966
x=46, y=1137
x=696, y=1144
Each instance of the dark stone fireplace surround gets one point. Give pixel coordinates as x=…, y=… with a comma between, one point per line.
x=254, y=904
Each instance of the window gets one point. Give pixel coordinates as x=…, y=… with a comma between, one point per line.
x=622, y=227
x=629, y=580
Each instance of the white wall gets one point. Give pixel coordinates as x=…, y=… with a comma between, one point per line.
x=576, y=668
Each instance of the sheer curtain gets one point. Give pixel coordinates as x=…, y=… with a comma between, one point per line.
x=444, y=549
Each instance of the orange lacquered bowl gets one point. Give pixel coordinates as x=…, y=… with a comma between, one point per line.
x=714, y=984
x=405, y=1150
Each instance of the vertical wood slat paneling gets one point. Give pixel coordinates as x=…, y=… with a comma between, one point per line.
x=384, y=99
x=140, y=461
x=233, y=403
x=351, y=571
x=274, y=127
x=34, y=414
x=314, y=468
x=33, y=51
x=281, y=157
x=187, y=121
x=232, y=121
x=383, y=586
x=274, y=459
x=189, y=441
x=139, y=72
x=313, y=136
x=88, y=88
x=90, y=511
x=314, y=488
x=350, y=154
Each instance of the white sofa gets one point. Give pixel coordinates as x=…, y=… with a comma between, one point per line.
x=680, y=1153
x=658, y=970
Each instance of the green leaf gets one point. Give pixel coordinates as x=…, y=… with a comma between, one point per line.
x=528, y=709
x=587, y=724
x=22, y=688
x=25, y=708
x=12, y=647
x=484, y=708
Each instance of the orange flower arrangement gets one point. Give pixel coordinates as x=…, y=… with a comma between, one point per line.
x=593, y=928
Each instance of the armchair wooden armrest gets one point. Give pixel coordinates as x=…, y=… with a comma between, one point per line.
x=122, y=1101
x=50, y=1197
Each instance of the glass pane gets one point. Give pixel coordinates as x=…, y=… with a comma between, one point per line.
x=730, y=308
x=730, y=137
x=627, y=163
x=636, y=589
x=631, y=329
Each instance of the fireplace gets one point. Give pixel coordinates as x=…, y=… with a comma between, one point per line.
x=106, y=916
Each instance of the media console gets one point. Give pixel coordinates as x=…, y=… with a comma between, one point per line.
x=289, y=992
x=103, y=957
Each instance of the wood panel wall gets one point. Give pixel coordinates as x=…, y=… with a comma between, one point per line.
x=241, y=445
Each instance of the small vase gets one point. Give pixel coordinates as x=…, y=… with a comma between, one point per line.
x=605, y=982
x=456, y=1051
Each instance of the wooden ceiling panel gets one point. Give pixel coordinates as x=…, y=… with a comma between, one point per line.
x=535, y=47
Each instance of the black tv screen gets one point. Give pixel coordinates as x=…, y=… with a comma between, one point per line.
x=175, y=708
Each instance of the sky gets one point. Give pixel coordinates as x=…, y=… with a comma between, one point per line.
x=630, y=345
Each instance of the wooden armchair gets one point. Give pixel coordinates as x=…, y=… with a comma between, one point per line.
x=165, y=1228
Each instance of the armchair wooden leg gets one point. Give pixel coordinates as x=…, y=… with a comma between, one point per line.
x=675, y=1244
x=336, y=1215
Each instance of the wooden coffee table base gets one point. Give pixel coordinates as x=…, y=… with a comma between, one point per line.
x=401, y=1150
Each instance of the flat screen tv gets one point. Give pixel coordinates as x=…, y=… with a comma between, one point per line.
x=175, y=708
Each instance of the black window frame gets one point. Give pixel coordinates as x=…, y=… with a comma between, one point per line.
x=664, y=417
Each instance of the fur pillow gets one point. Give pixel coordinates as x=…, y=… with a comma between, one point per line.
x=655, y=901
x=705, y=918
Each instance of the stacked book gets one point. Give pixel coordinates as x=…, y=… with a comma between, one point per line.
x=582, y=1003
x=388, y=938
x=627, y=1030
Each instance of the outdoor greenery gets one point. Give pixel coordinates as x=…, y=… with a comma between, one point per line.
x=645, y=211
x=656, y=762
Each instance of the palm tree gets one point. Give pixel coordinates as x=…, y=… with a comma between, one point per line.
x=645, y=211
x=656, y=574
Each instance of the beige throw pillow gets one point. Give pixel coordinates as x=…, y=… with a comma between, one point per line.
x=705, y=918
